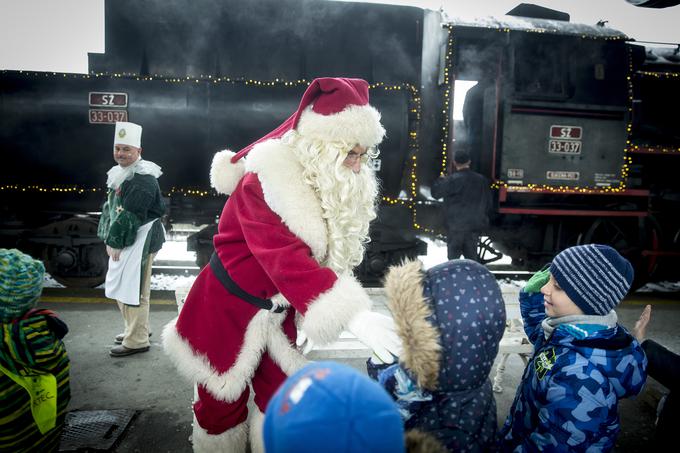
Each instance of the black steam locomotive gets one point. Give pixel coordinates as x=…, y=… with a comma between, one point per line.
x=572, y=123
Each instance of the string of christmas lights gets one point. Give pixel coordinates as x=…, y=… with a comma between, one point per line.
x=653, y=149
x=414, y=113
x=48, y=189
x=659, y=75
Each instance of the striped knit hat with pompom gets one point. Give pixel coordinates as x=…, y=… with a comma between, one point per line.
x=594, y=276
x=21, y=280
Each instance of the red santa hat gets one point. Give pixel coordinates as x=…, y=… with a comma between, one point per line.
x=332, y=109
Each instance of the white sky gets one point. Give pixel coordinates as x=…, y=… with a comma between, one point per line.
x=55, y=35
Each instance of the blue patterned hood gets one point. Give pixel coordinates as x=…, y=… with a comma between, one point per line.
x=451, y=319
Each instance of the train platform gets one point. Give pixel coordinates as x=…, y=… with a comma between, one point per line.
x=160, y=399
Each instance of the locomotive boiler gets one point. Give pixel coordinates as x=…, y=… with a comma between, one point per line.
x=571, y=123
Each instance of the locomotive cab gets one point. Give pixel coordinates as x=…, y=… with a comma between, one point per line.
x=544, y=107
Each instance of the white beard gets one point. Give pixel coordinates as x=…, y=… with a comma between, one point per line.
x=348, y=199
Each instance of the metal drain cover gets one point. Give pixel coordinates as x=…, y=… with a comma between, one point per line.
x=94, y=430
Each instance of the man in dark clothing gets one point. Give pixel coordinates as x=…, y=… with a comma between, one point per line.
x=664, y=366
x=467, y=200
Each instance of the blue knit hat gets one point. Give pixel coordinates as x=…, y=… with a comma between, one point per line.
x=594, y=276
x=21, y=279
x=329, y=407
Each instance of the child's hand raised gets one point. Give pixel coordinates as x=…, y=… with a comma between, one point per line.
x=537, y=280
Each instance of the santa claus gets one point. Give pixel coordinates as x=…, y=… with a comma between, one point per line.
x=292, y=230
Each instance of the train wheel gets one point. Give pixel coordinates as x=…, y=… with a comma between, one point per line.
x=631, y=237
x=77, y=258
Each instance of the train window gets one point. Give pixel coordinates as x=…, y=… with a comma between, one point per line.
x=540, y=68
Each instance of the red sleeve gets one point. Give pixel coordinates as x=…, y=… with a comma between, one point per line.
x=286, y=259
x=327, y=301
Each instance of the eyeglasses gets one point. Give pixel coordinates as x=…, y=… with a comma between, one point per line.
x=353, y=156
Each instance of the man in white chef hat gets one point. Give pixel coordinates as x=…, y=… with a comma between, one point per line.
x=131, y=229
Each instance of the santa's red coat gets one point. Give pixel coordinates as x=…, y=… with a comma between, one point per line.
x=271, y=238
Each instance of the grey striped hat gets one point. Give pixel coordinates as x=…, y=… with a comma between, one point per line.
x=594, y=276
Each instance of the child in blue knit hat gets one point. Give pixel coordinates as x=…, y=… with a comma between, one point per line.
x=329, y=407
x=34, y=367
x=583, y=361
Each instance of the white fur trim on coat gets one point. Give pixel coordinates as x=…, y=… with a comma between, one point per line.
x=329, y=314
x=280, y=175
x=234, y=439
x=256, y=429
x=224, y=176
x=356, y=124
x=263, y=333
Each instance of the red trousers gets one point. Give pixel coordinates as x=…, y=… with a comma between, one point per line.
x=217, y=416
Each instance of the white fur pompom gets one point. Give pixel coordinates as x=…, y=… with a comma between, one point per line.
x=224, y=176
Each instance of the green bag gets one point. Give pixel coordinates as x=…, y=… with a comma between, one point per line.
x=42, y=388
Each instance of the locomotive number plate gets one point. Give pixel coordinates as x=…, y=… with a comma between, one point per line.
x=572, y=147
x=566, y=132
x=98, y=98
x=102, y=116
x=565, y=175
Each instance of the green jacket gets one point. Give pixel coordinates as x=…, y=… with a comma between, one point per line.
x=136, y=202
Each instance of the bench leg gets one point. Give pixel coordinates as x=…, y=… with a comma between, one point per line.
x=498, y=379
x=525, y=359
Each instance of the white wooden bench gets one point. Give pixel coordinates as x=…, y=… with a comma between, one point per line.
x=346, y=347
x=514, y=339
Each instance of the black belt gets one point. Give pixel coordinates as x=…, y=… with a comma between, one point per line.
x=231, y=286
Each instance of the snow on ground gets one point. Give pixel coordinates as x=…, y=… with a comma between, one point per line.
x=171, y=251
x=49, y=282
x=170, y=282
x=660, y=287
x=175, y=251
x=436, y=254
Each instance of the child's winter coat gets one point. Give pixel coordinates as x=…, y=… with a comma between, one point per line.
x=568, y=397
x=450, y=319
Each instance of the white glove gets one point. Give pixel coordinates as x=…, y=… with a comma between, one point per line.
x=303, y=342
x=378, y=332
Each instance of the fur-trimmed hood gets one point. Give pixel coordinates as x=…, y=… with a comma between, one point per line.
x=412, y=314
x=450, y=319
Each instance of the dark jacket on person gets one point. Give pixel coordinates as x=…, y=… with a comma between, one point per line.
x=451, y=320
x=136, y=202
x=664, y=366
x=467, y=200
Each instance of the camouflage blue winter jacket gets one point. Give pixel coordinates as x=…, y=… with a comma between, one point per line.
x=568, y=397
